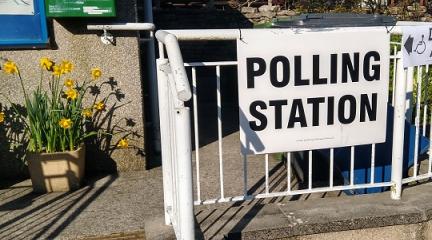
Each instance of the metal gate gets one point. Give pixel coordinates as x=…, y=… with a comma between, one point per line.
x=175, y=122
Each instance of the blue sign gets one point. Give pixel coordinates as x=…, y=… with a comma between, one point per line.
x=23, y=24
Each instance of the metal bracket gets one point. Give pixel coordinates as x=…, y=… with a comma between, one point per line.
x=107, y=38
x=166, y=68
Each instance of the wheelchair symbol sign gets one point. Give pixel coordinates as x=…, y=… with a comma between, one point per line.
x=417, y=45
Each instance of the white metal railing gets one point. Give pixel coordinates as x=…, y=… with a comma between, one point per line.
x=174, y=91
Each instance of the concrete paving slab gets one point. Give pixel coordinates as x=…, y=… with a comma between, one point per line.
x=284, y=219
x=110, y=205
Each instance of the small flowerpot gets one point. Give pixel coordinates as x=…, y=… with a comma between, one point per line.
x=56, y=172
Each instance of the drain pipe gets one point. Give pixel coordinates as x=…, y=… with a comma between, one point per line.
x=151, y=75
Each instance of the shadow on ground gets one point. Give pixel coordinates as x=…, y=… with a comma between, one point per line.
x=43, y=216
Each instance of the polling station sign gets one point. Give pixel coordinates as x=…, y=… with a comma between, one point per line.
x=312, y=89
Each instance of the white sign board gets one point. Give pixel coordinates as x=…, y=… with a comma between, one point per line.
x=417, y=45
x=16, y=7
x=312, y=89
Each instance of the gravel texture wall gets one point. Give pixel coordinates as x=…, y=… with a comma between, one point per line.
x=120, y=63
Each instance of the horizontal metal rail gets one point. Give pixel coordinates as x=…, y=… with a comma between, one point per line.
x=122, y=27
x=292, y=193
x=209, y=64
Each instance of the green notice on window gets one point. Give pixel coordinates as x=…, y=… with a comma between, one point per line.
x=80, y=8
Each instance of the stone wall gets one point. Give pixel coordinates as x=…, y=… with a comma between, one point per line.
x=70, y=40
x=265, y=13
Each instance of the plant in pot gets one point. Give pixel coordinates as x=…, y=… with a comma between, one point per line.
x=57, y=120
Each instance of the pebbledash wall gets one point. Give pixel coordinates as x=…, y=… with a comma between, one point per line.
x=70, y=40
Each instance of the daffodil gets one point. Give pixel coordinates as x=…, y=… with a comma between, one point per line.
x=96, y=73
x=66, y=67
x=2, y=117
x=10, y=67
x=69, y=83
x=99, y=106
x=123, y=143
x=87, y=112
x=65, y=123
x=71, y=94
x=46, y=63
x=57, y=71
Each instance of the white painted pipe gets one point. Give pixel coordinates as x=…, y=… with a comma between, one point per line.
x=166, y=147
x=206, y=34
x=184, y=174
x=176, y=63
x=398, y=131
x=123, y=26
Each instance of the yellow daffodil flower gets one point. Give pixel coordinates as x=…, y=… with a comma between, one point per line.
x=87, y=112
x=69, y=83
x=2, y=117
x=10, y=67
x=66, y=67
x=57, y=71
x=65, y=123
x=46, y=63
x=71, y=94
x=123, y=143
x=96, y=73
x=99, y=106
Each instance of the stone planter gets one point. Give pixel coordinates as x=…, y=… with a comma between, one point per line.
x=56, y=172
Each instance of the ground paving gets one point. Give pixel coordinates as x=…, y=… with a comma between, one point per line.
x=110, y=205
x=117, y=207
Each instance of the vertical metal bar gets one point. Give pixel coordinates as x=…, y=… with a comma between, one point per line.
x=398, y=131
x=289, y=171
x=310, y=169
x=196, y=133
x=417, y=120
x=161, y=50
x=425, y=110
x=174, y=162
x=352, y=166
x=166, y=147
x=331, y=167
x=394, y=74
x=245, y=176
x=266, y=174
x=372, y=174
x=219, y=112
x=430, y=148
x=425, y=102
x=409, y=92
x=184, y=158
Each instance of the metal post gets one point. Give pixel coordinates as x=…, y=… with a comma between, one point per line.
x=151, y=56
x=398, y=131
x=163, y=90
x=409, y=93
x=184, y=163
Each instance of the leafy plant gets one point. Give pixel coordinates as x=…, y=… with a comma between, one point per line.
x=57, y=119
